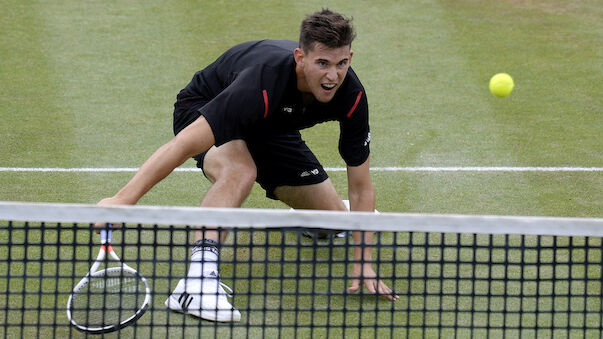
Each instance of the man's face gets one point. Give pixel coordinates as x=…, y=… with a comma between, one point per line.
x=321, y=70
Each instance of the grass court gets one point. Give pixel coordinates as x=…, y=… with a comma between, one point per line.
x=91, y=84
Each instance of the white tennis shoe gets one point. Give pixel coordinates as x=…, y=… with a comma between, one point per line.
x=204, y=298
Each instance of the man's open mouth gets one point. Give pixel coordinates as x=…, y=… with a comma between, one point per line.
x=328, y=87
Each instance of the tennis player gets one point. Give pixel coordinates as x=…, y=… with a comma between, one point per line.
x=240, y=119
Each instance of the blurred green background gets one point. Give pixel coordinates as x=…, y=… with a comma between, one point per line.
x=92, y=84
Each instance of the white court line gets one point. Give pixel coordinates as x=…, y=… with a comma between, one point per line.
x=328, y=169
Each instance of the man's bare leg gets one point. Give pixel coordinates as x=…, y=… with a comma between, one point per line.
x=232, y=172
x=202, y=294
x=322, y=196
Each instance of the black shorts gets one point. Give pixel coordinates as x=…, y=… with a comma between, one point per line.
x=281, y=158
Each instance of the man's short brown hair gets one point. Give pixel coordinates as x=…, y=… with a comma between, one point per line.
x=328, y=28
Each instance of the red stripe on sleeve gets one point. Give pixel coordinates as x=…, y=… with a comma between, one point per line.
x=265, y=102
x=355, y=105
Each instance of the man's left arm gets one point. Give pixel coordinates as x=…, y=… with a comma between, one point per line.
x=360, y=188
x=362, y=198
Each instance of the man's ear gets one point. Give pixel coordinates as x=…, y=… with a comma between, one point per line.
x=351, y=55
x=298, y=54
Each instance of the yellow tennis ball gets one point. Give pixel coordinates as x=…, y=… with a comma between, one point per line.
x=501, y=85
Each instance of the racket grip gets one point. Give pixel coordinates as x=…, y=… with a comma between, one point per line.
x=106, y=235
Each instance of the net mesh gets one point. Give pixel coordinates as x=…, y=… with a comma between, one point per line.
x=285, y=284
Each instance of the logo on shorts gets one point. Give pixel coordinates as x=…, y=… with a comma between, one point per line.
x=287, y=109
x=368, y=139
x=309, y=173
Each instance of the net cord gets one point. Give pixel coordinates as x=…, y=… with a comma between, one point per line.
x=276, y=218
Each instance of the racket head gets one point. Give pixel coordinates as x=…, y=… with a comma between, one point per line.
x=108, y=300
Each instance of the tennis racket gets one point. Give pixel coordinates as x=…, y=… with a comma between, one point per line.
x=109, y=299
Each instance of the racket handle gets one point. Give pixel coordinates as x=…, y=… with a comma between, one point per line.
x=106, y=235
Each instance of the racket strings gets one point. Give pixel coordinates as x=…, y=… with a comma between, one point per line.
x=109, y=298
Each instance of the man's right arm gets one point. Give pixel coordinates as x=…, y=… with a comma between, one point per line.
x=194, y=139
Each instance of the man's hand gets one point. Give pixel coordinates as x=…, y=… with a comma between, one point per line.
x=365, y=273
x=113, y=201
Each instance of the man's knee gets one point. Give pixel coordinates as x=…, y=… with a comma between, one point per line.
x=241, y=174
x=230, y=163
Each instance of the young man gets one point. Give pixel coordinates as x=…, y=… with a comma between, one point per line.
x=240, y=119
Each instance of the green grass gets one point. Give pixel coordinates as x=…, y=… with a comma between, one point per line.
x=92, y=84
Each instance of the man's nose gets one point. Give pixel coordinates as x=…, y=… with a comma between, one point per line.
x=332, y=74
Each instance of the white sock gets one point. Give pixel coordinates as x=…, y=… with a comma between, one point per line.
x=204, y=258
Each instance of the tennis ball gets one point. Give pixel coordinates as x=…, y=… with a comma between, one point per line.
x=501, y=85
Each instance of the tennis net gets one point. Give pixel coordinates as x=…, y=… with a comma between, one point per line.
x=456, y=276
